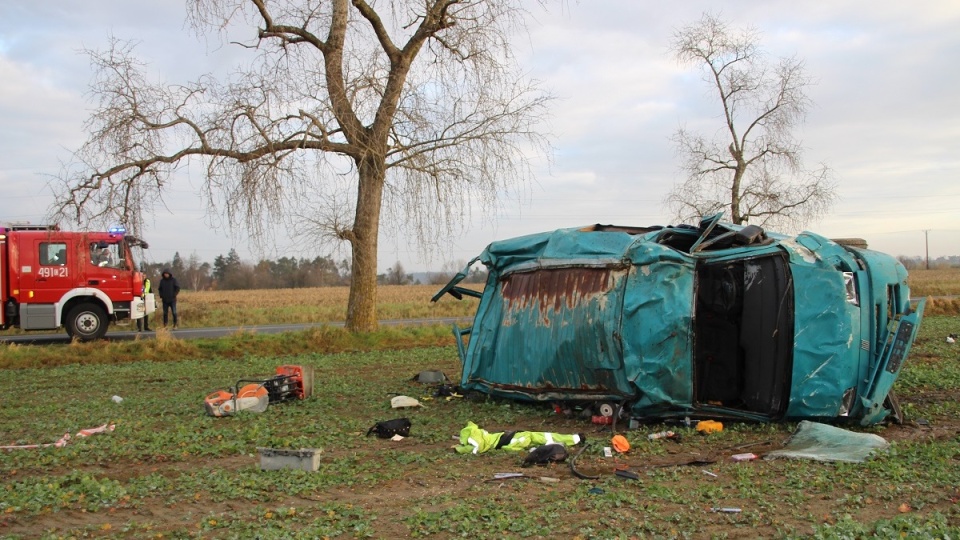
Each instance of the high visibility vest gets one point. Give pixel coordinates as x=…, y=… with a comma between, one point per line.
x=146, y=286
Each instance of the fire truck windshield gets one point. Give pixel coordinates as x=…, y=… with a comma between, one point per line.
x=104, y=254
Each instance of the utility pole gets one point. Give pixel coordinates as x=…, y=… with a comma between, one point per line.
x=926, y=240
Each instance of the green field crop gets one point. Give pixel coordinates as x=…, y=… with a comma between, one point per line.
x=170, y=471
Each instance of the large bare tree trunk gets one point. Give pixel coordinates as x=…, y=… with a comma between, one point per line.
x=263, y=136
x=362, y=302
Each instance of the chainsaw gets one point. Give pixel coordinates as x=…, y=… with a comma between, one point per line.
x=254, y=395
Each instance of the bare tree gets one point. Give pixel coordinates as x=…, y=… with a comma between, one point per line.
x=396, y=275
x=415, y=107
x=752, y=167
x=196, y=274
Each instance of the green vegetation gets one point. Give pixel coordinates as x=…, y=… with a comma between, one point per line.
x=165, y=347
x=170, y=471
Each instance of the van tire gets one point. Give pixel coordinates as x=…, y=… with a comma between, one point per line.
x=86, y=322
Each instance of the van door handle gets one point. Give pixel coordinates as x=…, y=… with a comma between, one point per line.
x=93, y=282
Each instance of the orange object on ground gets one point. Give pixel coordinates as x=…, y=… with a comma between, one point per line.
x=709, y=426
x=290, y=382
x=252, y=397
x=219, y=403
x=620, y=443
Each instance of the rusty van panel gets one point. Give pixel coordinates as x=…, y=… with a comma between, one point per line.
x=556, y=333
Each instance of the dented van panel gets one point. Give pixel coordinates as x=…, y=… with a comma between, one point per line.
x=826, y=353
x=714, y=320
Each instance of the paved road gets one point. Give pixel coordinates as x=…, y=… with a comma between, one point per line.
x=117, y=333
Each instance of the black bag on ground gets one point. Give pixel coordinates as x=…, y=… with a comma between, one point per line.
x=446, y=390
x=389, y=428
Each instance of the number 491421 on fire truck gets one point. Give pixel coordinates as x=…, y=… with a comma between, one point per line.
x=81, y=281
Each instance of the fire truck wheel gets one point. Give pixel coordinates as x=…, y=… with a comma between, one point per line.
x=86, y=322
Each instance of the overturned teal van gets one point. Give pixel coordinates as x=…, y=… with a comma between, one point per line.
x=707, y=321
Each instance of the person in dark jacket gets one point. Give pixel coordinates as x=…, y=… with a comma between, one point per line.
x=168, y=290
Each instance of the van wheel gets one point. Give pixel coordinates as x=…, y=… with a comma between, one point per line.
x=607, y=408
x=86, y=322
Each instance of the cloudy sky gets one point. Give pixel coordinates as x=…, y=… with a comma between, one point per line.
x=886, y=115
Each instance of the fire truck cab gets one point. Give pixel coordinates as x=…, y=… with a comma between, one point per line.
x=81, y=281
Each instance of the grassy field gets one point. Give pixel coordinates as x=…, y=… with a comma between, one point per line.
x=940, y=285
x=325, y=304
x=169, y=471
x=938, y=282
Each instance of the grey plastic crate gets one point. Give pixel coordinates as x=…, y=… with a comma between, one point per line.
x=272, y=459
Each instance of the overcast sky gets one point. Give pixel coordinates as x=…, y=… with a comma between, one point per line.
x=886, y=115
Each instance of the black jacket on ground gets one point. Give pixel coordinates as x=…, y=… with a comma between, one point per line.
x=169, y=288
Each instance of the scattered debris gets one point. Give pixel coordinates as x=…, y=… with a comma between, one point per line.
x=709, y=426
x=105, y=428
x=117, y=399
x=626, y=473
x=708, y=473
x=447, y=391
x=305, y=459
x=620, y=444
x=390, y=428
x=510, y=476
x=431, y=377
x=952, y=338
x=62, y=441
x=548, y=453
x=403, y=402
x=726, y=510
x=662, y=435
x=474, y=440
x=823, y=442
x=749, y=456
x=573, y=466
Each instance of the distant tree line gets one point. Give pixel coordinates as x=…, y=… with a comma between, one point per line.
x=230, y=272
x=916, y=263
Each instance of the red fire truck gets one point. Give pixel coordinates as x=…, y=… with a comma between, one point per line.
x=82, y=281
